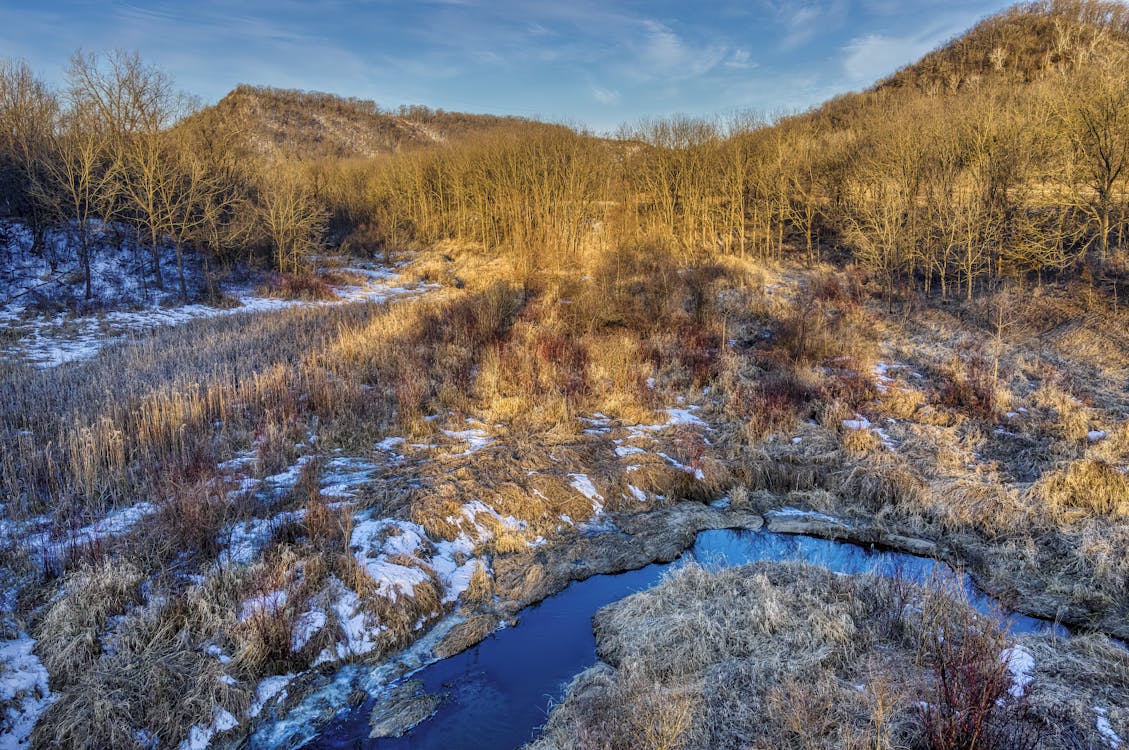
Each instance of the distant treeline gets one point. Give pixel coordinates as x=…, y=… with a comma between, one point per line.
x=1003, y=154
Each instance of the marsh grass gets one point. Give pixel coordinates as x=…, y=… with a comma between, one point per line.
x=787, y=655
x=530, y=359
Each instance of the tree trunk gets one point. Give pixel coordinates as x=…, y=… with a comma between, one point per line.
x=180, y=274
x=156, y=259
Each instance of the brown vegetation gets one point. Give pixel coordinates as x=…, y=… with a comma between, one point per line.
x=773, y=655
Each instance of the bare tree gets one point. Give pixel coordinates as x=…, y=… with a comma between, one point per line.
x=76, y=179
x=1094, y=110
x=28, y=110
x=292, y=219
x=139, y=103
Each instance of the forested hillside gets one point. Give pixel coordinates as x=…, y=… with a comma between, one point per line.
x=1003, y=154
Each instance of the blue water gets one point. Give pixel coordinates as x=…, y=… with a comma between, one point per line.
x=499, y=692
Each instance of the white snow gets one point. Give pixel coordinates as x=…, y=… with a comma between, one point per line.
x=882, y=380
x=305, y=627
x=360, y=635
x=199, y=737
x=808, y=515
x=48, y=341
x=884, y=439
x=859, y=423
x=246, y=539
x=263, y=603
x=698, y=474
x=1105, y=729
x=389, y=443
x=1021, y=664
x=214, y=650
x=1095, y=435
x=51, y=549
x=675, y=417
x=582, y=484
x=24, y=691
x=285, y=480
x=373, y=540
x=637, y=493
x=684, y=417
x=269, y=689
x=475, y=438
x=343, y=475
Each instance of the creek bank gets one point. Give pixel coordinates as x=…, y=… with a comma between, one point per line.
x=626, y=542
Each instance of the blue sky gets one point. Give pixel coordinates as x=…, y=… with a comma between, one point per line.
x=592, y=63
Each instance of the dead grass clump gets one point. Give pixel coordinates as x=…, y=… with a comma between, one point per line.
x=773, y=402
x=901, y=403
x=1085, y=487
x=428, y=351
x=791, y=656
x=159, y=683
x=1066, y=416
x=972, y=704
x=822, y=330
x=404, y=616
x=270, y=604
x=305, y=286
x=970, y=386
x=324, y=526
x=881, y=486
x=481, y=588
x=189, y=520
x=70, y=631
x=862, y=442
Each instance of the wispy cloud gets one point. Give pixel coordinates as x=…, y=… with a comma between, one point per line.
x=872, y=56
x=605, y=96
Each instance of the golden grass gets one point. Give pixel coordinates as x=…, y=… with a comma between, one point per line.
x=1085, y=488
x=529, y=358
x=789, y=656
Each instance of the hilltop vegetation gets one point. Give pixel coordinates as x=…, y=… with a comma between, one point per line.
x=311, y=124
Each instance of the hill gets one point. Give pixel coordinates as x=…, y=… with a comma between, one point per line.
x=274, y=120
x=1019, y=45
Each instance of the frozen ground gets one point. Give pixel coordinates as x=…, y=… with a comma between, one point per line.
x=47, y=321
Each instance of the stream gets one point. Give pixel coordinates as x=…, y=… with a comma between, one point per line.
x=498, y=693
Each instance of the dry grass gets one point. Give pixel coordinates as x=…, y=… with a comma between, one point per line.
x=1085, y=488
x=765, y=354
x=787, y=656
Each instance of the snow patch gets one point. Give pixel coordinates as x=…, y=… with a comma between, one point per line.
x=247, y=539
x=270, y=689
x=1021, y=664
x=199, y=737
x=263, y=604
x=1105, y=729
x=306, y=626
x=24, y=691
x=582, y=484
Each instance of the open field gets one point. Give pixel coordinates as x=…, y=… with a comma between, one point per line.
x=255, y=496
